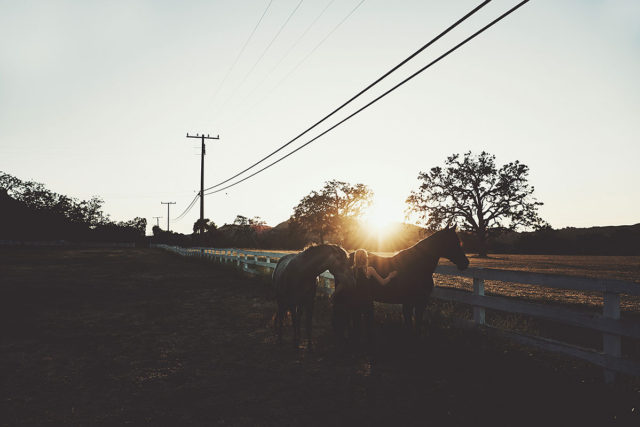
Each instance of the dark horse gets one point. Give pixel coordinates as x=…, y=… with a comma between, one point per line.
x=295, y=282
x=411, y=287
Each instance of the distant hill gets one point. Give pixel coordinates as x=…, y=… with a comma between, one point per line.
x=393, y=238
x=609, y=240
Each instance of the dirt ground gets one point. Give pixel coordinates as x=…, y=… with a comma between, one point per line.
x=141, y=336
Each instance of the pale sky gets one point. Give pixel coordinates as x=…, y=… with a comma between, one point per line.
x=96, y=98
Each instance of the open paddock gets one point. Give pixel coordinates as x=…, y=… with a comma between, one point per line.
x=118, y=336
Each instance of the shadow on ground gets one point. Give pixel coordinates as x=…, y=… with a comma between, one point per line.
x=147, y=337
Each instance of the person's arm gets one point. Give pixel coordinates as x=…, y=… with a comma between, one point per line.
x=371, y=272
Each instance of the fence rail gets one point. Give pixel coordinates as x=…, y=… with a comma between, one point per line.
x=608, y=322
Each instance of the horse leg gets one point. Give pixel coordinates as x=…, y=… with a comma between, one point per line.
x=356, y=330
x=309, y=321
x=407, y=311
x=420, y=308
x=340, y=322
x=296, y=326
x=294, y=319
x=280, y=314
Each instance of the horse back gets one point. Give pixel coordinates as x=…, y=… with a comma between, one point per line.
x=291, y=285
x=383, y=265
x=412, y=283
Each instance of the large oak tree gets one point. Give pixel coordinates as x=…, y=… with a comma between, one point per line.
x=473, y=193
x=329, y=211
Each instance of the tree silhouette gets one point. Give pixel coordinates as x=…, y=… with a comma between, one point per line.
x=40, y=213
x=477, y=196
x=328, y=211
x=245, y=230
x=204, y=226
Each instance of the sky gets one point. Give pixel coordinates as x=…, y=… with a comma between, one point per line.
x=96, y=98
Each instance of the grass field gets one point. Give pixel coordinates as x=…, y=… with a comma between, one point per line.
x=610, y=267
x=146, y=337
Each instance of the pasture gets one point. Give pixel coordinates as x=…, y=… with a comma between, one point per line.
x=120, y=336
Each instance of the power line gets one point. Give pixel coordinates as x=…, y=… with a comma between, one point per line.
x=188, y=208
x=513, y=9
x=481, y=5
x=307, y=56
x=202, y=154
x=235, y=62
x=261, y=56
x=168, y=206
x=304, y=33
x=318, y=45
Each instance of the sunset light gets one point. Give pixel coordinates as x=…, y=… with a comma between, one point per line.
x=320, y=212
x=381, y=217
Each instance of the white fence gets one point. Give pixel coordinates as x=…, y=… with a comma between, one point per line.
x=46, y=243
x=609, y=323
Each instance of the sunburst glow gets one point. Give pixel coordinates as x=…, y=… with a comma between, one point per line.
x=380, y=218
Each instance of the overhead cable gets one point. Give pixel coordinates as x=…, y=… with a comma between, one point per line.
x=264, y=52
x=459, y=21
x=342, y=21
x=286, y=54
x=474, y=35
x=235, y=62
x=188, y=208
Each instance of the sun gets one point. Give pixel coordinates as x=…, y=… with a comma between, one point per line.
x=380, y=218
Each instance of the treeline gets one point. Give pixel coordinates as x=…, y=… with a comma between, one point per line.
x=243, y=232
x=30, y=211
x=612, y=240
x=254, y=233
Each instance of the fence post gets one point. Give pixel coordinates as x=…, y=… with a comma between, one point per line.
x=478, y=312
x=611, y=343
x=327, y=285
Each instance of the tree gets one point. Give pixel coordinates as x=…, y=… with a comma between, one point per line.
x=244, y=221
x=474, y=194
x=137, y=225
x=244, y=230
x=51, y=215
x=330, y=210
x=205, y=225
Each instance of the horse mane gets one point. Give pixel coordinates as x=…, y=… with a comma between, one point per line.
x=314, y=248
x=418, y=248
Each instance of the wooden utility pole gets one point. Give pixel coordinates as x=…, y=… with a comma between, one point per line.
x=157, y=221
x=203, y=152
x=168, y=206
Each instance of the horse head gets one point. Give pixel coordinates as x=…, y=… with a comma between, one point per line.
x=339, y=265
x=451, y=248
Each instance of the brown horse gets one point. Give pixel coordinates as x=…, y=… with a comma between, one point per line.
x=295, y=282
x=411, y=287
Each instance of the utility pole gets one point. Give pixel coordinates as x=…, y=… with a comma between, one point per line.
x=168, y=206
x=202, y=138
x=157, y=221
